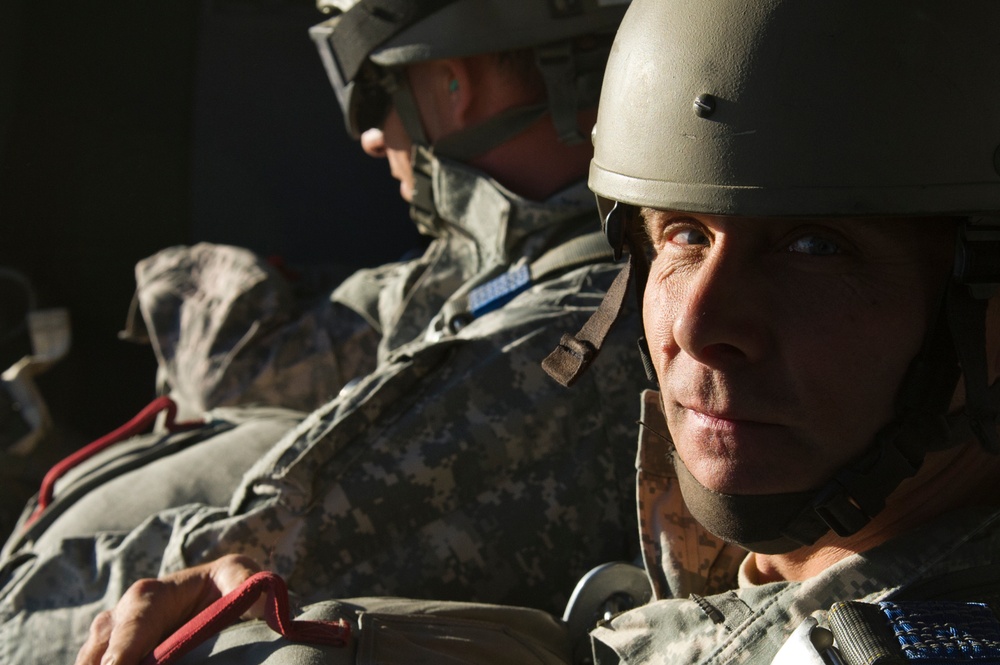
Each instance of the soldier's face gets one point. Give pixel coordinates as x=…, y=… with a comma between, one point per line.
x=392, y=143
x=780, y=344
x=429, y=86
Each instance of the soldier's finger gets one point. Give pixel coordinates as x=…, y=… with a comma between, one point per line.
x=152, y=609
x=97, y=640
x=149, y=611
x=230, y=572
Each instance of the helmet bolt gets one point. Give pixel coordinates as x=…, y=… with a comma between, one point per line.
x=704, y=105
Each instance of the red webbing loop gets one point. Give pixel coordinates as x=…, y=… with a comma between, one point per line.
x=140, y=423
x=228, y=609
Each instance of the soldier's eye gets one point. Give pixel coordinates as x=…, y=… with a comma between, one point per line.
x=687, y=235
x=815, y=245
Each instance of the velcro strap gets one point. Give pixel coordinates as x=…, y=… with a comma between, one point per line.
x=228, y=609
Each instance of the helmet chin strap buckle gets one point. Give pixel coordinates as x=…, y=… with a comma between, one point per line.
x=839, y=511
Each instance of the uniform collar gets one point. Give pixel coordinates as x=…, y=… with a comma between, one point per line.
x=471, y=203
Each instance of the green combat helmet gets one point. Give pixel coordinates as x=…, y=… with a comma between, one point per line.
x=786, y=107
x=366, y=42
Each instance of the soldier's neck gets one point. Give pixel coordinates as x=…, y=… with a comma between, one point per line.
x=535, y=164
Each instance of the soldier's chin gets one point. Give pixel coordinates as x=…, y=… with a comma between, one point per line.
x=735, y=477
x=754, y=522
x=406, y=191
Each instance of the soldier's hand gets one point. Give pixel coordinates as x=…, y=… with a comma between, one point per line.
x=151, y=610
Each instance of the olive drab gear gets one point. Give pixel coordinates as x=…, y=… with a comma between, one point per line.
x=842, y=109
x=365, y=45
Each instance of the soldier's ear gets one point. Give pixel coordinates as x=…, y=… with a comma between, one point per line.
x=461, y=89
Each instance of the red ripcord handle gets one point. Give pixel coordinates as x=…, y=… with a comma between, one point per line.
x=139, y=424
x=228, y=609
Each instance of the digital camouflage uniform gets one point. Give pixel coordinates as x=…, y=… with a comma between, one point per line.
x=456, y=470
x=228, y=328
x=706, y=611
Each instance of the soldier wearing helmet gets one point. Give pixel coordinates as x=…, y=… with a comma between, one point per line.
x=813, y=226
x=456, y=468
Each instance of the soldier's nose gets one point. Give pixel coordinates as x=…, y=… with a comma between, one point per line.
x=373, y=142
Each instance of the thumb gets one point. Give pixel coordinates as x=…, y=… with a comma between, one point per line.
x=228, y=573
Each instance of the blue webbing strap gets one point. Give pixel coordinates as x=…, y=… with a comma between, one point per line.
x=924, y=632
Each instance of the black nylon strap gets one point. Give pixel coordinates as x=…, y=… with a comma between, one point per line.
x=475, y=140
x=370, y=23
x=862, y=633
x=558, y=67
x=968, y=318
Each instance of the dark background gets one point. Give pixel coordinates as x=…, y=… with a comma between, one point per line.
x=127, y=126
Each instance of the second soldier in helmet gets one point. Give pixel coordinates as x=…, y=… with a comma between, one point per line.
x=456, y=469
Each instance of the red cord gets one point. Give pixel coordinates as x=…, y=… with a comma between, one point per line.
x=228, y=609
x=139, y=424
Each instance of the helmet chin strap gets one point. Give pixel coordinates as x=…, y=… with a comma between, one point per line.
x=780, y=523
x=576, y=352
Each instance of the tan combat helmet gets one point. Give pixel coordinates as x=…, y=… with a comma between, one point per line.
x=791, y=107
x=779, y=107
x=367, y=34
x=366, y=42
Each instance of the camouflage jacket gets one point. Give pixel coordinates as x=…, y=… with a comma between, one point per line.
x=705, y=611
x=229, y=329
x=455, y=470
